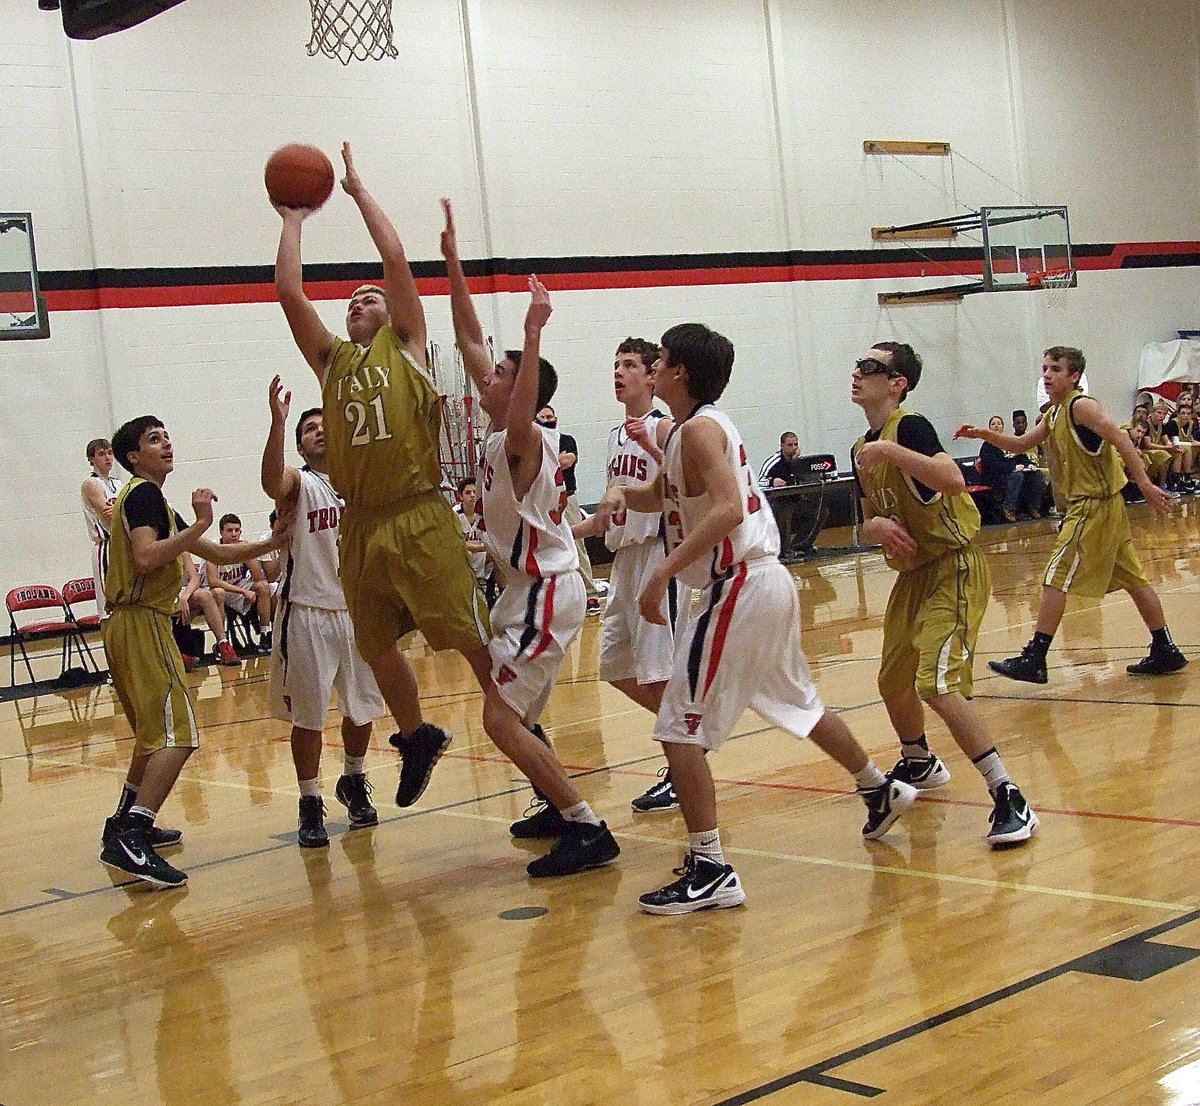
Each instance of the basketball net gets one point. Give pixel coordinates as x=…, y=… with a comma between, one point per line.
x=352, y=29
x=460, y=437
x=1053, y=282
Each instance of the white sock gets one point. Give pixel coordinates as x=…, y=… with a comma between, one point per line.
x=992, y=769
x=869, y=778
x=353, y=766
x=310, y=788
x=707, y=843
x=580, y=812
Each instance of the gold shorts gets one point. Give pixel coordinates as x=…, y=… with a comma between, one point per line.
x=407, y=569
x=932, y=621
x=1094, y=553
x=147, y=673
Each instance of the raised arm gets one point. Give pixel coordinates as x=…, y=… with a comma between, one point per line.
x=311, y=335
x=403, y=300
x=468, y=334
x=523, y=434
x=280, y=481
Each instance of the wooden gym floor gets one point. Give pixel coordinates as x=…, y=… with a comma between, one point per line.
x=416, y=963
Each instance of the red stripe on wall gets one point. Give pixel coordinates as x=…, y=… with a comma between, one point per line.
x=195, y=295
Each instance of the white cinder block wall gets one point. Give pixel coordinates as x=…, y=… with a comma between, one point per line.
x=573, y=131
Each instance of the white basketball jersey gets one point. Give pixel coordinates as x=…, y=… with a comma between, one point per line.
x=527, y=540
x=97, y=528
x=754, y=537
x=310, y=574
x=629, y=464
x=472, y=531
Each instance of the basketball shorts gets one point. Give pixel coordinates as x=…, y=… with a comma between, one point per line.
x=147, y=673
x=630, y=647
x=534, y=625
x=741, y=648
x=238, y=603
x=408, y=569
x=313, y=654
x=931, y=623
x=1094, y=553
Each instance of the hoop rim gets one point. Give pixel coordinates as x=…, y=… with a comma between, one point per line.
x=1051, y=278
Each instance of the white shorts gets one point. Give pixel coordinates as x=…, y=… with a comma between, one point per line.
x=741, y=649
x=236, y=602
x=533, y=626
x=313, y=654
x=632, y=648
x=99, y=572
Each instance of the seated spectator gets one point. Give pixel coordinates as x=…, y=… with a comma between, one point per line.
x=1015, y=479
x=194, y=597
x=776, y=471
x=243, y=584
x=1182, y=429
x=271, y=563
x=1155, y=456
x=1160, y=437
x=1137, y=434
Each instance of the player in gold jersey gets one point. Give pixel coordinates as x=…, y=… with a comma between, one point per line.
x=141, y=592
x=917, y=508
x=403, y=563
x=1094, y=553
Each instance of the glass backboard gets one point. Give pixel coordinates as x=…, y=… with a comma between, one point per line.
x=1020, y=243
x=22, y=308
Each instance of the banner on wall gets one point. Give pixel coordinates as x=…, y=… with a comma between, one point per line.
x=1168, y=368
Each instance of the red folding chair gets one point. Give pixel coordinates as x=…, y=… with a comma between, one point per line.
x=82, y=590
x=42, y=597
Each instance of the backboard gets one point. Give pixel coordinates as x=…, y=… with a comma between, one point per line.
x=22, y=308
x=1024, y=242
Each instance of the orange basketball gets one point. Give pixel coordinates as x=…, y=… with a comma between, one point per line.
x=298, y=176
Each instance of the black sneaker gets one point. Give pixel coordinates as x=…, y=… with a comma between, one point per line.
x=1027, y=667
x=418, y=754
x=885, y=804
x=264, y=643
x=542, y=819
x=1012, y=818
x=580, y=848
x=658, y=798
x=160, y=838
x=354, y=793
x=130, y=851
x=703, y=885
x=1158, y=662
x=312, y=833
x=923, y=773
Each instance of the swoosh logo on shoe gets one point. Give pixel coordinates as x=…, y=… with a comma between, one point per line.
x=708, y=889
x=136, y=857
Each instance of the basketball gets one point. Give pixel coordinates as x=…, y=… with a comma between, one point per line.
x=298, y=176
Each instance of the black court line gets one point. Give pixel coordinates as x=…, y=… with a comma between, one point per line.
x=1130, y=958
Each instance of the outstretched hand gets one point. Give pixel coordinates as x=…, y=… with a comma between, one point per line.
x=539, y=306
x=969, y=431
x=351, y=182
x=297, y=214
x=280, y=401
x=1162, y=501
x=449, y=236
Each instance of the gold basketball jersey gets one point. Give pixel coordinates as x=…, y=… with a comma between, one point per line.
x=1080, y=472
x=938, y=526
x=382, y=422
x=125, y=586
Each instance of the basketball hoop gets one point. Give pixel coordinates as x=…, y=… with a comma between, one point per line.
x=352, y=29
x=1052, y=278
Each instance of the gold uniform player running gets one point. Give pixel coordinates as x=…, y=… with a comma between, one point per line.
x=403, y=562
x=1094, y=553
x=916, y=505
x=141, y=594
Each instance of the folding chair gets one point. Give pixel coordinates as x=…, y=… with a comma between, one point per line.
x=82, y=590
x=41, y=597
